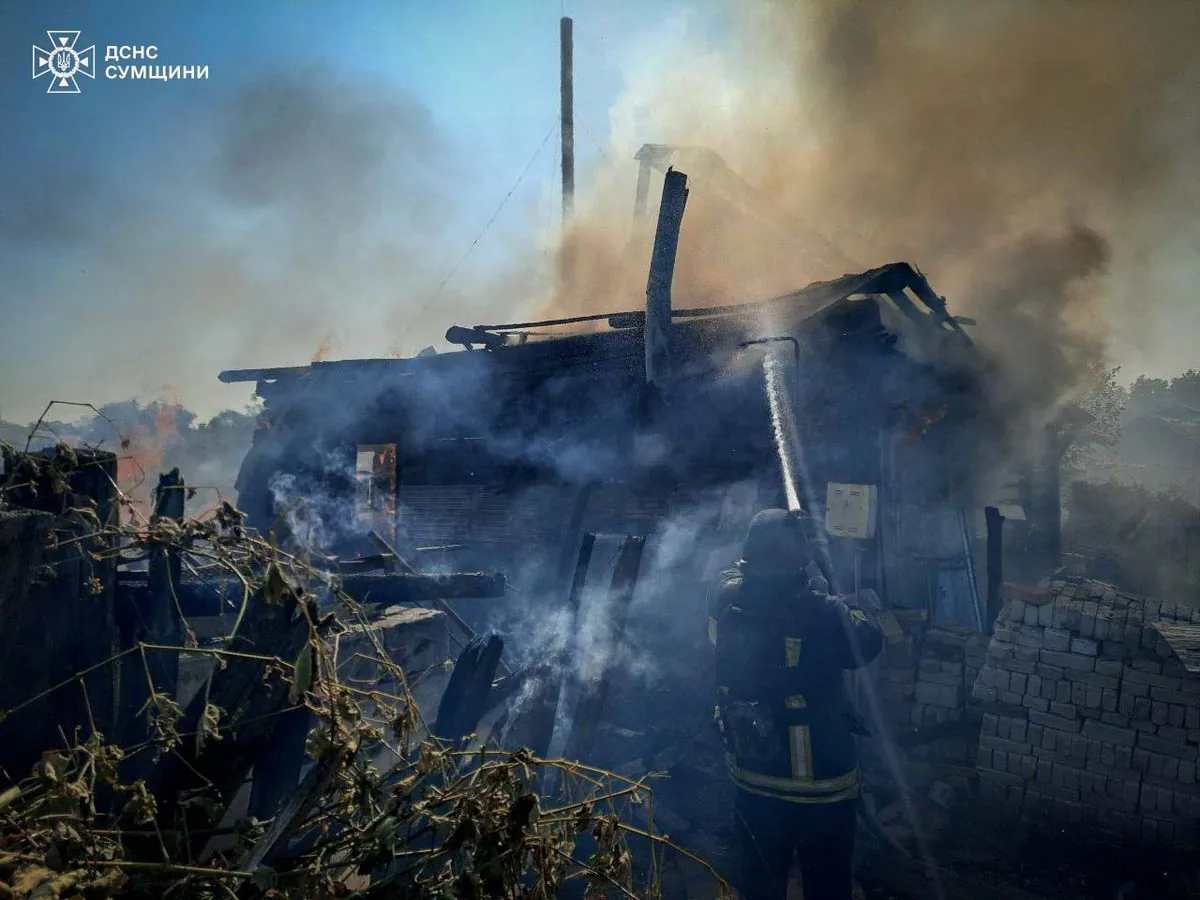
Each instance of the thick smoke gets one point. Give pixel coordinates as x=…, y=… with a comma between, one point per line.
x=1031, y=158
x=261, y=218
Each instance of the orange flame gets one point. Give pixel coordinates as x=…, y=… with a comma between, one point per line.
x=926, y=419
x=143, y=457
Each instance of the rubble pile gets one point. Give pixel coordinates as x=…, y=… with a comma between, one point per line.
x=1093, y=711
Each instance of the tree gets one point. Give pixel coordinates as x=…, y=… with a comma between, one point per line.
x=1102, y=406
x=1185, y=390
x=1150, y=394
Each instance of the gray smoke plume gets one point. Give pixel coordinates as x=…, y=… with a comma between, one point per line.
x=1038, y=161
x=289, y=208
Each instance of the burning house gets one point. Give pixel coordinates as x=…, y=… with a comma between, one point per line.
x=608, y=465
x=502, y=456
x=637, y=451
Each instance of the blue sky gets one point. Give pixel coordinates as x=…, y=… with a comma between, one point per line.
x=155, y=232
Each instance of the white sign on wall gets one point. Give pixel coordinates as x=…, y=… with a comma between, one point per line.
x=850, y=510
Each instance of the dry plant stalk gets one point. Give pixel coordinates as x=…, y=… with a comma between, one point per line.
x=385, y=809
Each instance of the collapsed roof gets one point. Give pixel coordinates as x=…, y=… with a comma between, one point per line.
x=892, y=302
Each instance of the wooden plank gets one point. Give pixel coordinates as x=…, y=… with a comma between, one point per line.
x=395, y=589
x=468, y=695
x=590, y=708
x=273, y=843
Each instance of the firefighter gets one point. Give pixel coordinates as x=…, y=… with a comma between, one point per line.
x=782, y=646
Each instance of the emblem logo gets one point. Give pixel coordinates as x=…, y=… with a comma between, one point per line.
x=63, y=63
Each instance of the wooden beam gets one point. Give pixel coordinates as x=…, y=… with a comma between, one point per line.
x=468, y=696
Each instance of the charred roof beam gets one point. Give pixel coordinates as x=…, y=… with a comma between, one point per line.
x=469, y=337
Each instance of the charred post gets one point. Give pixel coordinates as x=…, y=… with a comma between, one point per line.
x=995, y=563
x=658, y=288
x=162, y=618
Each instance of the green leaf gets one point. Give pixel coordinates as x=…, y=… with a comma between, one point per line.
x=303, y=676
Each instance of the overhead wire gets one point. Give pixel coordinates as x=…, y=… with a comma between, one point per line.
x=595, y=141
x=475, y=243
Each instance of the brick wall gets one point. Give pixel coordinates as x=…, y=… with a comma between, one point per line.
x=1089, y=716
x=928, y=720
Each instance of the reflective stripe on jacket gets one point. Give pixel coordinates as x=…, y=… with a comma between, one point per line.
x=780, y=656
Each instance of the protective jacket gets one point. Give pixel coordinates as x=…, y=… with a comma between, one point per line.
x=781, y=651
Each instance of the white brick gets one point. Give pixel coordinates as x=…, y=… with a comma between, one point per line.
x=1085, y=647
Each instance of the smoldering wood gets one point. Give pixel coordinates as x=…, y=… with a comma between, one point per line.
x=643, y=191
x=163, y=620
x=567, y=565
x=284, y=822
x=590, y=707
x=277, y=765
x=415, y=639
x=371, y=563
x=543, y=729
x=397, y=561
x=435, y=590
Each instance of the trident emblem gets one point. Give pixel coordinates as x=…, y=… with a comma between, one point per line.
x=63, y=63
